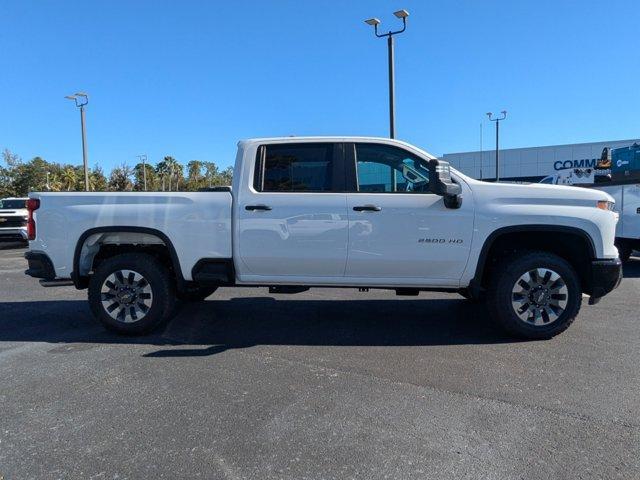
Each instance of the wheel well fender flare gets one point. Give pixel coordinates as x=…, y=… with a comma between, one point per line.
x=81, y=281
x=476, y=282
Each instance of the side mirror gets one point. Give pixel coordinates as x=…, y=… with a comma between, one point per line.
x=440, y=183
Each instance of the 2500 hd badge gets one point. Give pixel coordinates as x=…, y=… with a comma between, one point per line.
x=440, y=240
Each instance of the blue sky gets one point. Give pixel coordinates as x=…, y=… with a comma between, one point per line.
x=190, y=78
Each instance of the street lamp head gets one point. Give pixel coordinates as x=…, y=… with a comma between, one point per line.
x=504, y=112
x=80, y=98
x=401, y=14
x=374, y=22
x=70, y=97
x=489, y=114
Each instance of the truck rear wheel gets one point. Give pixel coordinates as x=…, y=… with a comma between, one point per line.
x=131, y=294
x=534, y=295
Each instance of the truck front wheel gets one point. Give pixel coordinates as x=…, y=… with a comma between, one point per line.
x=131, y=294
x=534, y=295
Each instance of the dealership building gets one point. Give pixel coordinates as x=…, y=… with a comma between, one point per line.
x=571, y=164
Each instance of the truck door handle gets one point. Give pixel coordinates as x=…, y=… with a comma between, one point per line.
x=257, y=207
x=367, y=208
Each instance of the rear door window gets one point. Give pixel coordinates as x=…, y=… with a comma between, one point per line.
x=295, y=167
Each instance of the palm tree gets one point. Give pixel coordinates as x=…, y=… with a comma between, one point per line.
x=175, y=169
x=170, y=168
x=210, y=172
x=69, y=177
x=55, y=184
x=194, y=168
x=162, y=169
x=97, y=180
x=226, y=176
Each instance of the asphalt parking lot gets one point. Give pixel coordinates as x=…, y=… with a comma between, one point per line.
x=323, y=384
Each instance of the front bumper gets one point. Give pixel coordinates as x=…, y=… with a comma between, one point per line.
x=605, y=276
x=13, y=233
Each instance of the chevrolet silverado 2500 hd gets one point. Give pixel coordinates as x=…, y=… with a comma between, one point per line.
x=332, y=211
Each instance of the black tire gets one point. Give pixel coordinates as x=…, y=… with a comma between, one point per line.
x=157, y=294
x=545, y=321
x=196, y=294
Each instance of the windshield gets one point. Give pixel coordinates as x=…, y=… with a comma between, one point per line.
x=12, y=204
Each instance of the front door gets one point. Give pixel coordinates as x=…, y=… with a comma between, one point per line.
x=397, y=228
x=293, y=222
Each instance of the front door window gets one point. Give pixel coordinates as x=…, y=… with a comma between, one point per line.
x=387, y=169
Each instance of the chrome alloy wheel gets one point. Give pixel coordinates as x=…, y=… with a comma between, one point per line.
x=539, y=296
x=126, y=296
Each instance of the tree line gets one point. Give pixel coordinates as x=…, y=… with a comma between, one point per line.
x=18, y=177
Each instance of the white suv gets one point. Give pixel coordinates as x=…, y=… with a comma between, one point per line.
x=13, y=218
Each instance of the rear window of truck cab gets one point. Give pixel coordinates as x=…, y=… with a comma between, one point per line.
x=295, y=167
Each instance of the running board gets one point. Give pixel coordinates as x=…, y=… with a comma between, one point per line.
x=287, y=289
x=407, y=292
x=60, y=282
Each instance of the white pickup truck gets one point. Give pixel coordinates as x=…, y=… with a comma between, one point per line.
x=332, y=211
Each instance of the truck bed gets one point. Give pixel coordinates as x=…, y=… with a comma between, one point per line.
x=198, y=223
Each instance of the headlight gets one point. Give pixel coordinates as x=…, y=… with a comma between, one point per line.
x=605, y=205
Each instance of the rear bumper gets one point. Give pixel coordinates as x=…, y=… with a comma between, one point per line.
x=40, y=266
x=605, y=276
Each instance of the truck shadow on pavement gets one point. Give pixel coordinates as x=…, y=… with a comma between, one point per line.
x=215, y=326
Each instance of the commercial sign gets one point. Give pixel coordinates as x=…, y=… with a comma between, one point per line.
x=581, y=163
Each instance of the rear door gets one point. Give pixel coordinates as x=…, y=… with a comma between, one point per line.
x=398, y=230
x=293, y=219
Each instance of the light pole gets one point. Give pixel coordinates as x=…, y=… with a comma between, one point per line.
x=143, y=158
x=402, y=14
x=497, y=120
x=81, y=99
x=480, y=151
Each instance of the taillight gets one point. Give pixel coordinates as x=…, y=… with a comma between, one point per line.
x=32, y=205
